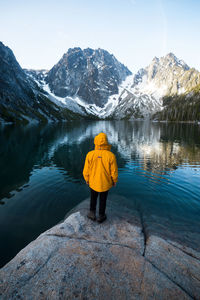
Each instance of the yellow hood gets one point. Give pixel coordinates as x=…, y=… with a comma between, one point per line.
x=101, y=142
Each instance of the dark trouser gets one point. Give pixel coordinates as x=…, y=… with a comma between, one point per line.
x=102, y=203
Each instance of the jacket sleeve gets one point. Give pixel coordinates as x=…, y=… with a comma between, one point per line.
x=86, y=169
x=114, y=169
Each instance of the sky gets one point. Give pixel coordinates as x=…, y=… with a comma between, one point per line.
x=39, y=32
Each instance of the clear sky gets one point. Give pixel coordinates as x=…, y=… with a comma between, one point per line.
x=39, y=32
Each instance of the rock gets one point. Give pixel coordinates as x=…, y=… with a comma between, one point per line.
x=178, y=264
x=79, y=258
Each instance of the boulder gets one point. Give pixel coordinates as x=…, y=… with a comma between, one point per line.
x=82, y=259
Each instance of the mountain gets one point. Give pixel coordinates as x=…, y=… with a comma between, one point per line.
x=21, y=98
x=15, y=89
x=181, y=91
x=91, y=75
x=134, y=96
x=167, y=75
x=143, y=95
x=94, y=84
x=83, y=81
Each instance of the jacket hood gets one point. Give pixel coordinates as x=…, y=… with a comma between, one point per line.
x=101, y=142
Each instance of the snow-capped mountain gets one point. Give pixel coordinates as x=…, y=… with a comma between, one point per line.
x=83, y=80
x=165, y=76
x=93, y=82
x=91, y=75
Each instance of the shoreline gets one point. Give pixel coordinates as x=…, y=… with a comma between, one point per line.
x=35, y=122
x=176, y=122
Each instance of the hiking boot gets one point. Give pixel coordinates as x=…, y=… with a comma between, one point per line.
x=91, y=215
x=101, y=218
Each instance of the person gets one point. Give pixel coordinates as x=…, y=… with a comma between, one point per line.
x=100, y=173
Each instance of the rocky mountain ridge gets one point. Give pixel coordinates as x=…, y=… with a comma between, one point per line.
x=91, y=75
x=165, y=76
x=21, y=98
x=92, y=84
x=138, y=96
x=168, y=74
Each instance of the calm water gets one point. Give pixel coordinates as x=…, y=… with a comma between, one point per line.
x=41, y=175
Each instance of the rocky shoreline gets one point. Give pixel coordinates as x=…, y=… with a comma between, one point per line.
x=122, y=258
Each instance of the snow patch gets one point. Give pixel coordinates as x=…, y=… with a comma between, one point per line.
x=181, y=90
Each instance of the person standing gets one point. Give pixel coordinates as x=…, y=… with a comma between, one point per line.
x=100, y=173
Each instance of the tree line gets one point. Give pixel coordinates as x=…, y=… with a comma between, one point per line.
x=184, y=107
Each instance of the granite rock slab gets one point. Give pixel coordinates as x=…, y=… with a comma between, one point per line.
x=82, y=259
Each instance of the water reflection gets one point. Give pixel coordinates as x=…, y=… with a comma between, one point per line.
x=154, y=148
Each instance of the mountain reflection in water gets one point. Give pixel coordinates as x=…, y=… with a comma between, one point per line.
x=41, y=176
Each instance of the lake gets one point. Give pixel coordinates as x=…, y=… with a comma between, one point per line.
x=41, y=176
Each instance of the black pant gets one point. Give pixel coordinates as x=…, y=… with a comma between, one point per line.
x=102, y=204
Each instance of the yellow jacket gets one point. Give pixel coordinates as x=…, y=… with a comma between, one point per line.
x=100, y=169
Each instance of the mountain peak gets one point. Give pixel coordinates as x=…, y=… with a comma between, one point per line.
x=174, y=61
x=92, y=75
x=171, y=55
x=156, y=59
x=167, y=75
x=75, y=49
